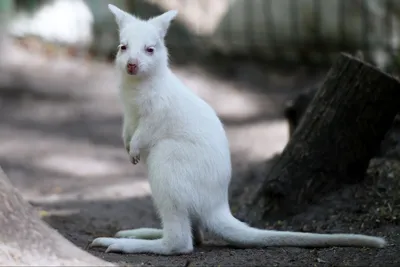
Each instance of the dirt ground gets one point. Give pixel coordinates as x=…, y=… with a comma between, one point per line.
x=60, y=133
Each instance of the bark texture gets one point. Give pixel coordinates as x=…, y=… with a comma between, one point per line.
x=339, y=132
x=26, y=240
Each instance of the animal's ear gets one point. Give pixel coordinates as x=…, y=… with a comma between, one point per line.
x=163, y=21
x=121, y=17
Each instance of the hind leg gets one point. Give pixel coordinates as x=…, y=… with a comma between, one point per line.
x=176, y=238
x=176, y=234
x=172, y=199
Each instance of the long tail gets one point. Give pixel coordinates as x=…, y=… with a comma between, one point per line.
x=223, y=224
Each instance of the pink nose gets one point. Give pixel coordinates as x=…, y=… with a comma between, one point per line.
x=132, y=68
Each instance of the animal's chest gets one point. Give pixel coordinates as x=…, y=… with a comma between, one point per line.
x=146, y=110
x=131, y=116
x=130, y=108
x=130, y=113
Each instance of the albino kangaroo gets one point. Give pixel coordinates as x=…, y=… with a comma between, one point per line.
x=184, y=145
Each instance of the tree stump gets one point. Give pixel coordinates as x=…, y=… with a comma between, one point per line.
x=334, y=141
x=296, y=107
x=27, y=240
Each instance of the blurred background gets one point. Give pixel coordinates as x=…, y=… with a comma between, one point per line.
x=280, y=30
x=60, y=119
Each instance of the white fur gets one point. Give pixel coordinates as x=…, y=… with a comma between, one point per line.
x=184, y=145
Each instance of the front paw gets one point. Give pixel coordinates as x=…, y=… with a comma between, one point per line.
x=134, y=154
x=134, y=160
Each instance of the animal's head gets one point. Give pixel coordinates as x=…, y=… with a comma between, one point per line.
x=141, y=51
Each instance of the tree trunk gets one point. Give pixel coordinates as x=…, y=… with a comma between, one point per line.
x=26, y=240
x=340, y=131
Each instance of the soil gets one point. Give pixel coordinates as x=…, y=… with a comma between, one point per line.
x=61, y=147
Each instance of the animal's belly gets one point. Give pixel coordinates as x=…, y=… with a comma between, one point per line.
x=186, y=152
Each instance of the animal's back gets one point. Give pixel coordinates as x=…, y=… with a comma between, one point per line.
x=197, y=122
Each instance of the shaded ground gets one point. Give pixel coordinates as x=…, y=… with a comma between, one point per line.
x=61, y=146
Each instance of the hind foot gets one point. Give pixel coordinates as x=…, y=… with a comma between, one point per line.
x=154, y=233
x=128, y=245
x=141, y=233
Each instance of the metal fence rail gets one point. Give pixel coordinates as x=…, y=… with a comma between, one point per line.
x=372, y=26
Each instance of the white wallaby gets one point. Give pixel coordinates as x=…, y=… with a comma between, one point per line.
x=183, y=143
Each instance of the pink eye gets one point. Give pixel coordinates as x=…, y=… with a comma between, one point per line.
x=123, y=47
x=150, y=50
